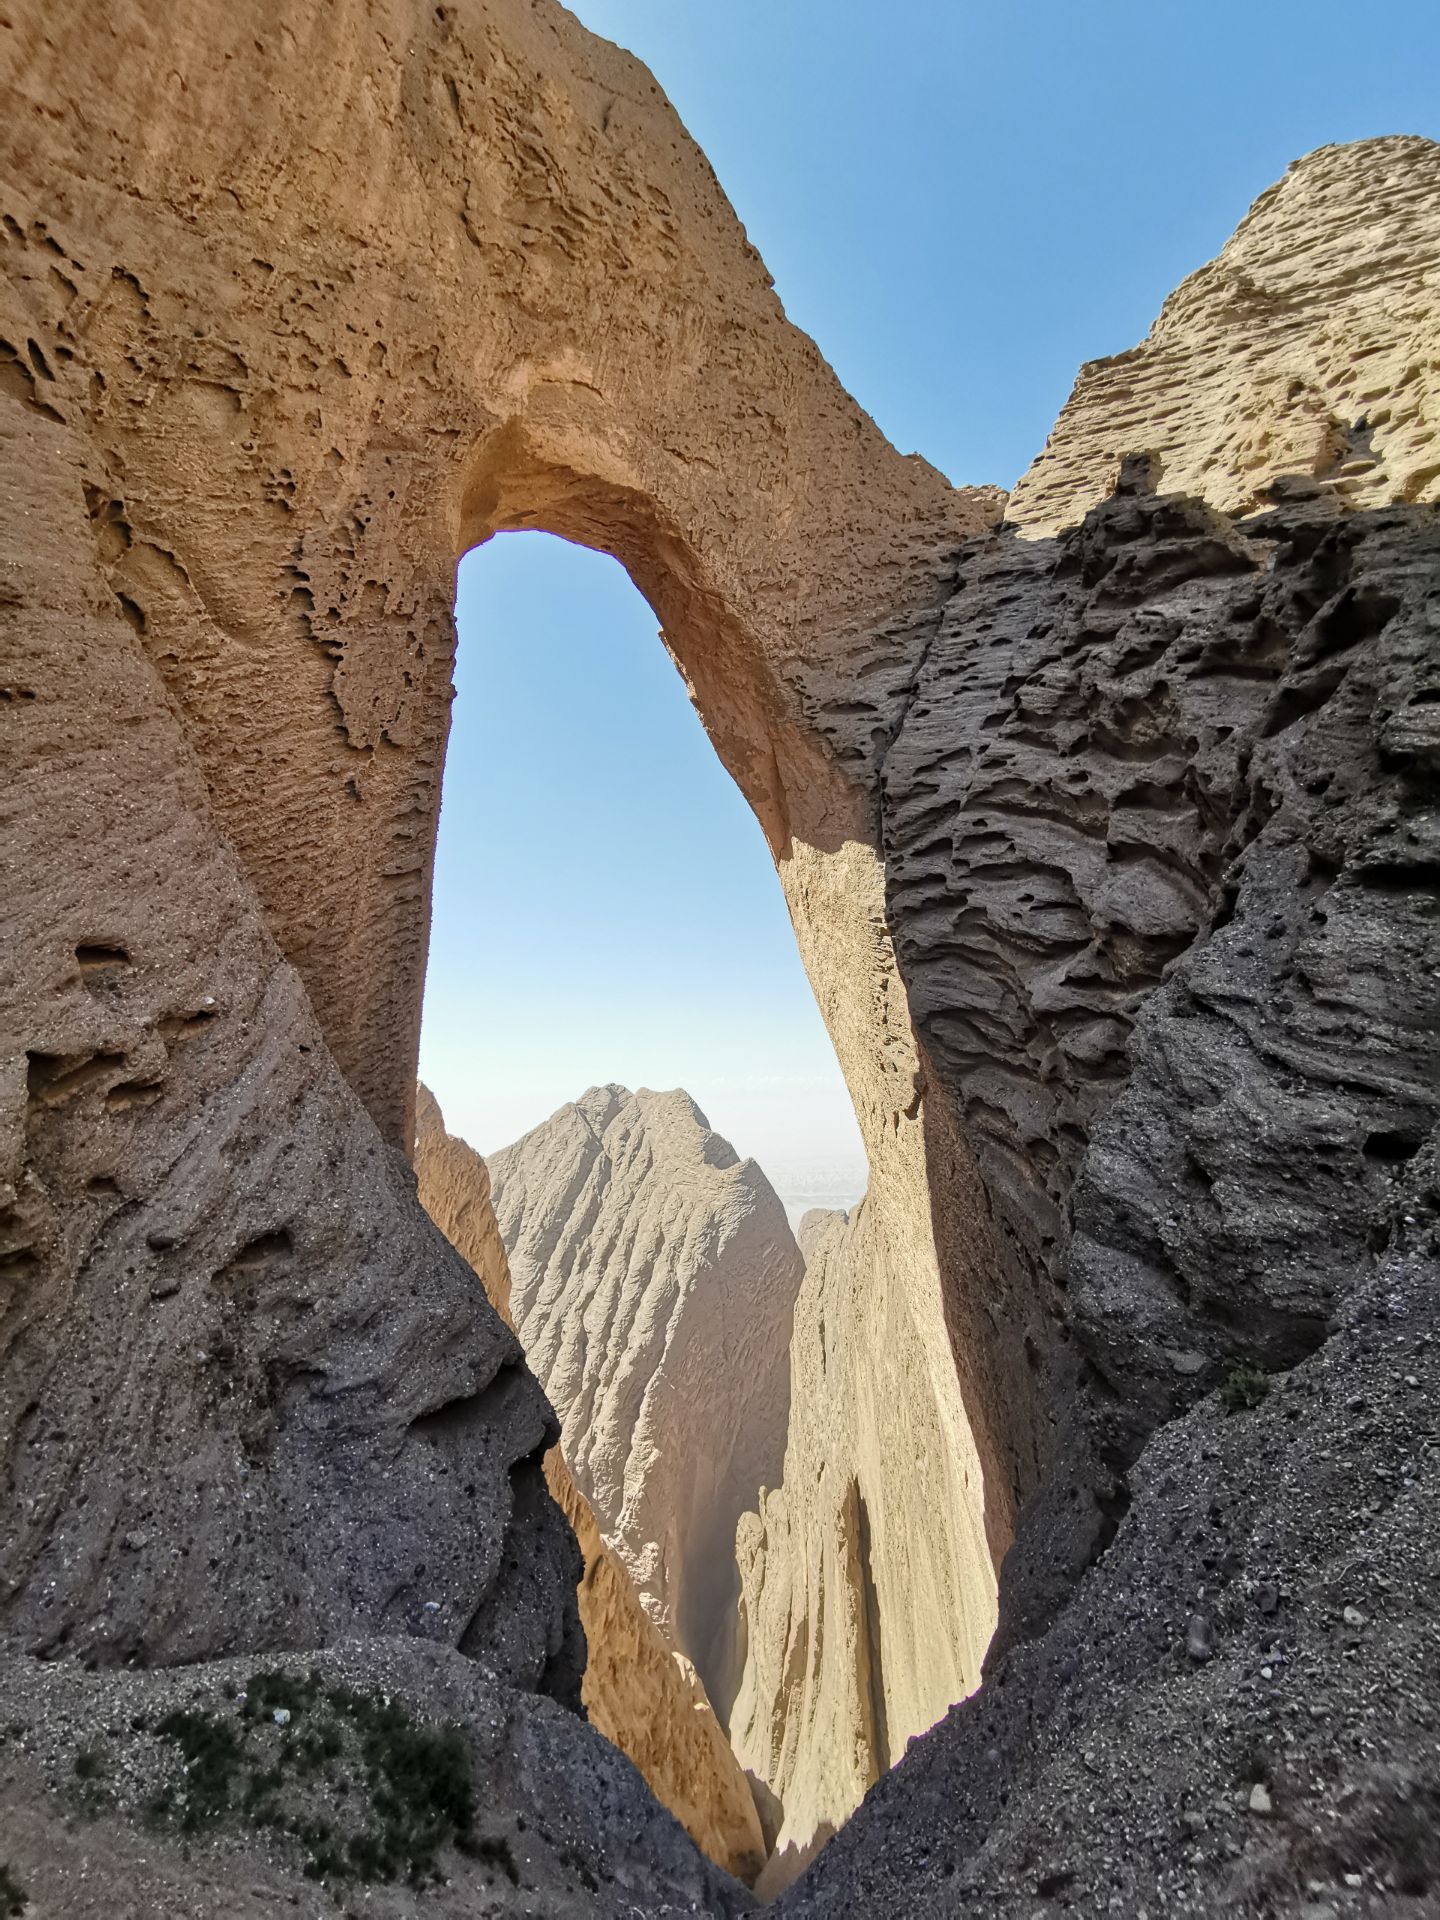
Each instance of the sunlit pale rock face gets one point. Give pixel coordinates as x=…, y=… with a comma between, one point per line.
x=637, y=1691
x=653, y=1275
x=850, y=1563
x=1306, y=347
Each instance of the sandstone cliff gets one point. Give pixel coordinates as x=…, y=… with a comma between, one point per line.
x=1146, y=803
x=636, y=1691
x=1306, y=347
x=653, y=1277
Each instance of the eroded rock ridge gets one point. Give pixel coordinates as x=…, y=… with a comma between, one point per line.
x=653, y=1277
x=637, y=1691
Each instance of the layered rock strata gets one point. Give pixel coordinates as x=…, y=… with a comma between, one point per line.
x=637, y=1691
x=653, y=1277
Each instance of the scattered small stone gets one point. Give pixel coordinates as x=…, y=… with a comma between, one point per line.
x=1353, y=1879
x=1354, y=1618
x=1260, y=1801
x=281, y=1716
x=1199, y=1637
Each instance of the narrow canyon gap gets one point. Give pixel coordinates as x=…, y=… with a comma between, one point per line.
x=940, y=1622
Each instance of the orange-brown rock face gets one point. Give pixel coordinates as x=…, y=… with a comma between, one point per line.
x=648, y=1701
x=637, y=1691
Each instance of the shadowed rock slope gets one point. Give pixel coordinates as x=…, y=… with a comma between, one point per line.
x=1162, y=833
x=637, y=1691
x=653, y=1277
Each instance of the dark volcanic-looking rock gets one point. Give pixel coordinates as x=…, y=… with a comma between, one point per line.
x=1102, y=1769
x=298, y=304
x=1176, y=947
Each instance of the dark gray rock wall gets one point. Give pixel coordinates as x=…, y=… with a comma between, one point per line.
x=1162, y=820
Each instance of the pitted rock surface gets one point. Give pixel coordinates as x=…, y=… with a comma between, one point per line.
x=1306, y=347
x=1163, y=848
x=255, y=400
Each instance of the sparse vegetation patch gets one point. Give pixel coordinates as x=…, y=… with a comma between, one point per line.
x=365, y=1791
x=1243, y=1388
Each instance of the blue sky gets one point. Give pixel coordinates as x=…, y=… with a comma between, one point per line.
x=961, y=203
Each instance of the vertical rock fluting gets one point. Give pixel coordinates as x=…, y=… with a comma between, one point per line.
x=232, y=1352
x=637, y=1692
x=867, y=1591
x=653, y=1276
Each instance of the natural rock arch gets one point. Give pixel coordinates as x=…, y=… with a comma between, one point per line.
x=593, y=348
x=275, y=354
x=911, y=1397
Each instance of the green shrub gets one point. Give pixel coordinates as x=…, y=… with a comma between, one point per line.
x=1243, y=1387
x=407, y=1785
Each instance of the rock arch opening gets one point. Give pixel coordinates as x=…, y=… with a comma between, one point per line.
x=837, y=1653
x=603, y=907
x=256, y=402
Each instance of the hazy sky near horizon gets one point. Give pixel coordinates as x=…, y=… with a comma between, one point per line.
x=961, y=203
